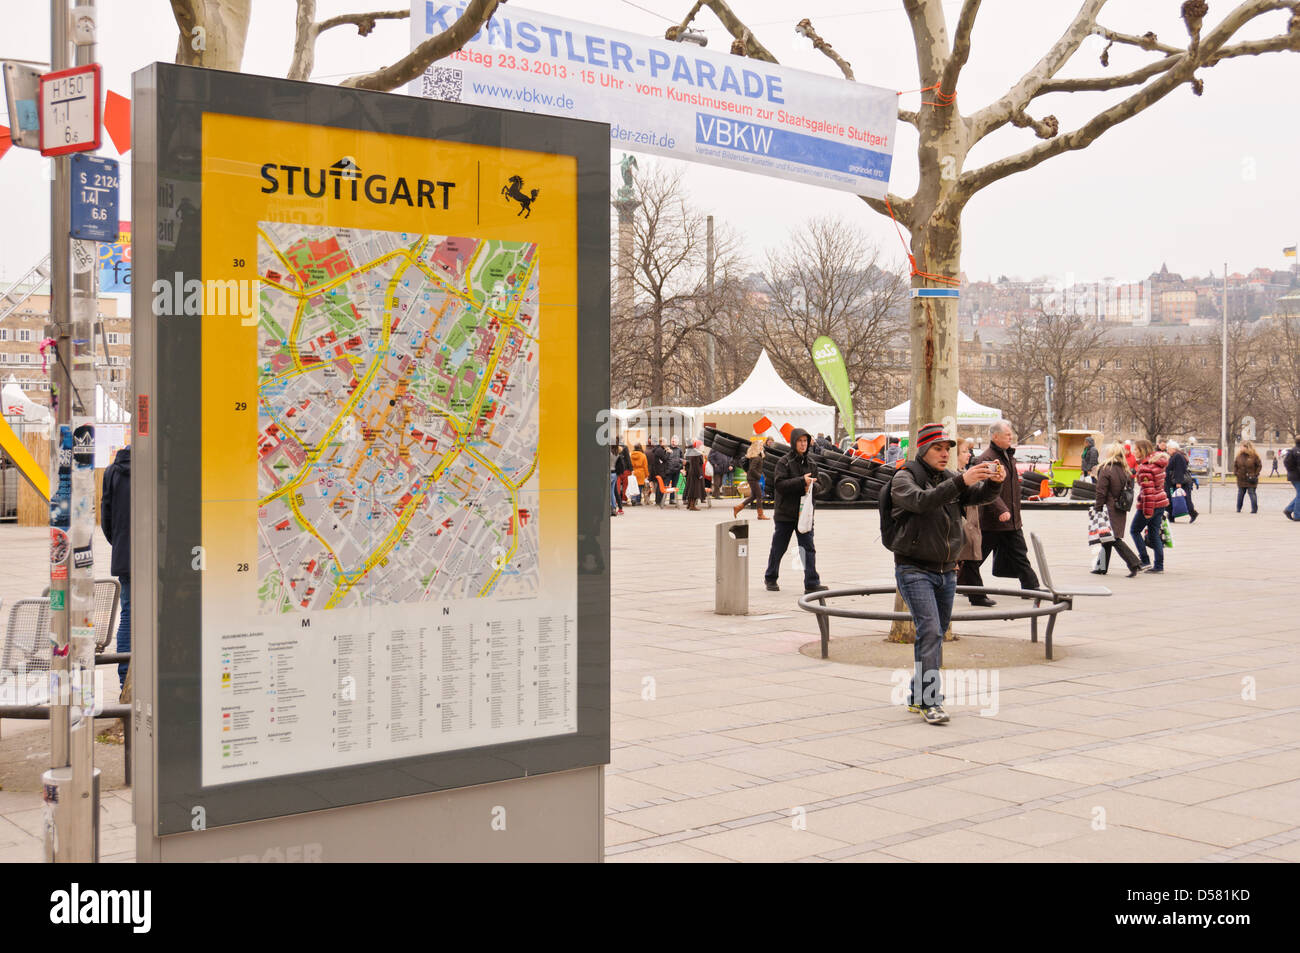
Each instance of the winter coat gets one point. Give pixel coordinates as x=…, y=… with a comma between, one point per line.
x=933, y=537
x=115, y=512
x=1111, y=481
x=1292, y=461
x=673, y=462
x=640, y=466
x=1008, y=495
x=789, y=481
x=753, y=472
x=1176, y=471
x=658, y=457
x=1089, y=457
x=721, y=464
x=1247, y=470
x=1151, y=480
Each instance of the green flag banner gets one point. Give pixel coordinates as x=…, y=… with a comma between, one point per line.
x=830, y=363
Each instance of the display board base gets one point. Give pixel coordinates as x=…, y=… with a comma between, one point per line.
x=554, y=818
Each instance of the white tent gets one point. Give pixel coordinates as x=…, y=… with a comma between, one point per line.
x=764, y=394
x=969, y=413
x=19, y=405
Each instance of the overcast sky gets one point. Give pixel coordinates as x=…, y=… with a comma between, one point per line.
x=1192, y=181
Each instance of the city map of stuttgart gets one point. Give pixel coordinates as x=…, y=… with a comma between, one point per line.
x=397, y=418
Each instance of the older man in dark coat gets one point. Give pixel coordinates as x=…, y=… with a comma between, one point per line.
x=1000, y=520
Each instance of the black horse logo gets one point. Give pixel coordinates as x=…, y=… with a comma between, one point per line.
x=515, y=190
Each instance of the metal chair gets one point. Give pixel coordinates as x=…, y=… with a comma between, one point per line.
x=27, y=637
x=108, y=593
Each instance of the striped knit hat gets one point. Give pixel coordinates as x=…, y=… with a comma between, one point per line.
x=929, y=435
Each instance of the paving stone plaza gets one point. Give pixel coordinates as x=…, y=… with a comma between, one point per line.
x=1166, y=729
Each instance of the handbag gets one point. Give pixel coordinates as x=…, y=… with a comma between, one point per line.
x=1125, y=501
x=1099, y=530
x=1099, y=559
x=1165, y=535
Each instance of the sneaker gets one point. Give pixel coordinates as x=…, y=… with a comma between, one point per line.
x=1152, y=569
x=620, y=511
x=935, y=715
x=914, y=709
x=773, y=587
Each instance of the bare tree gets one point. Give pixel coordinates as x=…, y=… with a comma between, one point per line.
x=829, y=278
x=659, y=352
x=213, y=33
x=1247, y=380
x=947, y=136
x=1069, y=347
x=1163, y=388
x=1280, y=389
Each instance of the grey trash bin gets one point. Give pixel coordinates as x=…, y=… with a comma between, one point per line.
x=732, y=578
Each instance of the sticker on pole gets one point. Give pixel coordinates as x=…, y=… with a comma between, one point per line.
x=70, y=111
x=58, y=554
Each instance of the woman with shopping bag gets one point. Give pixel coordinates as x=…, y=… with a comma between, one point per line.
x=1114, y=500
x=1149, y=513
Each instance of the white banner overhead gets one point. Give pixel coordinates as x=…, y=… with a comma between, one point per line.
x=669, y=98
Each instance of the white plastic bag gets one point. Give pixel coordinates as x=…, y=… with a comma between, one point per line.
x=805, y=524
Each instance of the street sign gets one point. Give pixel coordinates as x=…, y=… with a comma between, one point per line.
x=936, y=293
x=22, y=92
x=70, y=110
x=94, y=189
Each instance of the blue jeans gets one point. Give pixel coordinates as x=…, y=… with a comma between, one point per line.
x=1241, y=496
x=1150, y=527
x=613, y=491
x=781, y=533
x=1292, y=509
x=124, y=626
x=929, y=598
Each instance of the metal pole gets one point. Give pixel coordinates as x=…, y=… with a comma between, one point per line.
x=713, y=368
x=71, y=786
x=1223, y=411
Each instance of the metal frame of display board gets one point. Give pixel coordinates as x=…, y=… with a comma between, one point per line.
x=538, y=799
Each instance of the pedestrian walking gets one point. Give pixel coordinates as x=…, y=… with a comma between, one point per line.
x=1276, y=455
x=1000, y=527
x=925, y=512
x=1089, y=459
x=641, y=470
x=753, y=479
x=623, y=467
x=794, y=475
x=615, y=461
x=1129, y=457
x=115, y=521
x=972, y=550
x=1114, y=482
x=1246, y=467
x=1152, y=504
x=721, y=464
x=1292, y=463
x=673, y=469
x=893, y=452
x=694, y=462
x=658, y=461
x=1177, y=478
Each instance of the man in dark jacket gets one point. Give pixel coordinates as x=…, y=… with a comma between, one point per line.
x=657, y=457
x=721, y=464
x=673, y=463
x=1089, y=460
x=1177, y=478
x=928, y=512
x=1000, y=520
x=794, y=474
x=1292, y=462
x=115, y=521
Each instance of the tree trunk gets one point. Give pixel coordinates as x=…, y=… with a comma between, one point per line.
x=936, y=247
x=212, y=32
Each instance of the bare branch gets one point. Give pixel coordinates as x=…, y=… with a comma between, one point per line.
x=673, y=32
x=745, y=43
x=1181, y=71
x=1044, y=128
x=477, y=13
x=304, y=41
x=960, y=46
x=930, y=36
x=902, y=208
x=805, y=28
x=1103, y=83
x=906, y=115
x=364, y=22
x=1015, y=100
x=1147, y=41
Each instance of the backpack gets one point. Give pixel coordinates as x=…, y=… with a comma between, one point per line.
x=891, y=529
x=1125, y=501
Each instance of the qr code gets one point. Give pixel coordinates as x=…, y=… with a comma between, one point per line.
x=442, y=83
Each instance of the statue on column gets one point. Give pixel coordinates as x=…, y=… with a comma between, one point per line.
x=626, y=165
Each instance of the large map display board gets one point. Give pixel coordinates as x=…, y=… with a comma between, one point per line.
x=385, y=386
